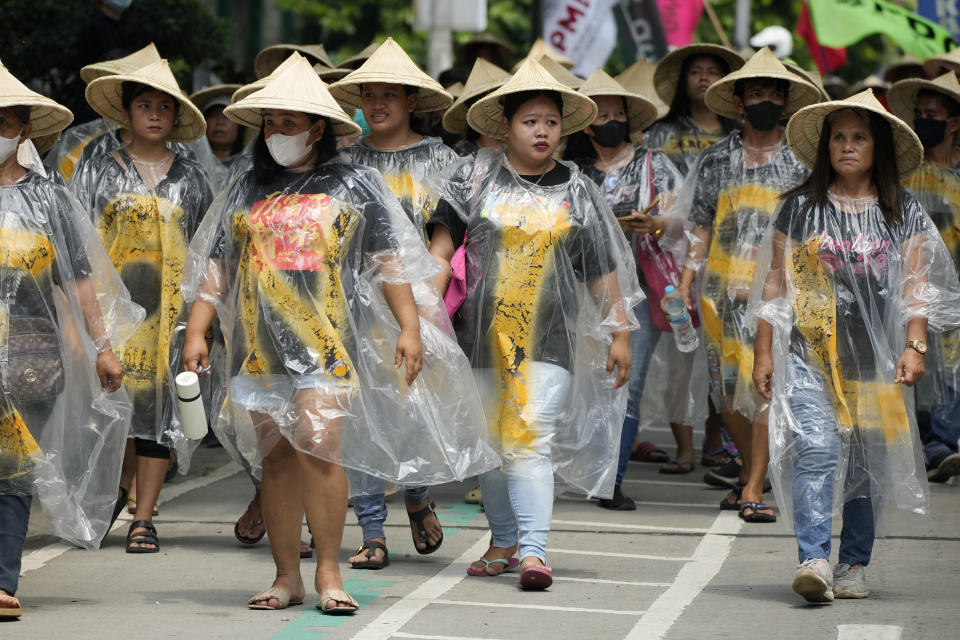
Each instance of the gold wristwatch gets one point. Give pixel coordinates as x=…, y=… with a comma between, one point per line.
x=919, y=346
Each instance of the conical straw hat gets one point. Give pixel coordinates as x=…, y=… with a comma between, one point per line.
x=485, y=39
x=127, y=64
x=297, y=88
x=484, y=78
x=641, y=113
x=539, y=49
x=329, y=75
x=204, y=97
x=455, y=90
x=806, y=125
x=48, y=117
x=560, y=72
x=810, y=75
x=936, y=65
x=105, y=95
x=872, y=81
x=45, y=143
x=270, y=58
x=357, y=59
x=667, y=75
x=763, y=64
x=256, y=85
x=909, y=64
x=902, y=96
x=486, y=115
x=391, y=64
x=638, y=78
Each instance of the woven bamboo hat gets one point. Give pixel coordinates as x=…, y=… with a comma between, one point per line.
x=127, y=64
x=763, y=64
x=936, y=65
x=391, y=64
x=484, y=78
x=539, y=49
x=297, y=88
x=455, y=90
x=902, y=96
x=641, y=113
x=667, y=75
x=357, y=59
x=806, y=126
x=560, y=72
x=872, y=81
x=329, y=75
x=485, y=39
x=909, y=66
x=217, y=94
x=810, y=75
x=638, y=78
x=486, y=114
x=48, y=117
x=256, y=85
x=105, y=95
x=270, y=58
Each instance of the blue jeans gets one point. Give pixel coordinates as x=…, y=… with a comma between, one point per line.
x=518, y=498
x=14, y=517
x=643, y=341
x=944, y=430
x=371, y=509
x=817, y=445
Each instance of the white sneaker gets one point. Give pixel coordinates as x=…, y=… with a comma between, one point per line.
x=850, y=582
x=814, y=581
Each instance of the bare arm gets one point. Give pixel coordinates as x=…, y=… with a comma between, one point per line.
x=605, y=291
x=196, y=350
x=399, y=298
x=696, y=256
x=773, y=288
x=911, y=366
x=442, y=249
x=109, y=369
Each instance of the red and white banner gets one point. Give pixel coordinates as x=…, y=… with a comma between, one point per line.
x=583, y=30
x=679, y=19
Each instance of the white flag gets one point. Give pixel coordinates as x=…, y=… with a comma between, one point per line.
x=583, y=30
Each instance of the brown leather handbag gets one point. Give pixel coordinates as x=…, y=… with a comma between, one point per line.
x=34, y=371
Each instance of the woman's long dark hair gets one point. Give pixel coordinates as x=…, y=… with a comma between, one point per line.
x=885, y=176
x=680, y=107
x=266, y=169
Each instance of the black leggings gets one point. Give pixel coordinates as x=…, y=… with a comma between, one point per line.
x=151, y=449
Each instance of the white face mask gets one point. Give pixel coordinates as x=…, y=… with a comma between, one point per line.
x=8, y=146
x=289, y=150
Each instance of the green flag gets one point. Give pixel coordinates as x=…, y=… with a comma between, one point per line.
x=840, y=23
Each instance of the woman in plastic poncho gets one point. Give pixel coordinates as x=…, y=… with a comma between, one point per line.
x=390, y=89
x=146, y=201
x=856, y=275
x=62, y=430
x=547, y=316
x=313, y=269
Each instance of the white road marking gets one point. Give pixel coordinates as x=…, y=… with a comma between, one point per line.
x=417, y=636
x=638, y=527
x=707, y=560
x=578, y=552
x=868, y=632
x=390, y=622
x=541, y=607
x=39, y=558
x=625, y=582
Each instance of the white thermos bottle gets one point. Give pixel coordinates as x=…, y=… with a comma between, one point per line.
x=192, y=414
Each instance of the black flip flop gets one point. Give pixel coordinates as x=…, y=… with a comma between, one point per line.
x=756, y=516
x=371, y=547
x=726, y=505
x=417, y=518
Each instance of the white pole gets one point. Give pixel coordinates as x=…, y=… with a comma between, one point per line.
x=440, y=51
x=741, y=32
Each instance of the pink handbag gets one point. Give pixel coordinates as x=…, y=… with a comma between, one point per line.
x=457, y=289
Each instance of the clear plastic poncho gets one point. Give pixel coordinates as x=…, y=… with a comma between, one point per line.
x=938, y=191
x=681, y=139
x=549, y=278
x=730, y=197
x=648, y=175
x=64, y=157
x=296, y=271
x=110, y=140
x=60, y=435
x=838, y=285
x=146, y=229
x=409, y=172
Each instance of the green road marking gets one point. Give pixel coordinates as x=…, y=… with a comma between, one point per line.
x=314, y=625
x=459, y=513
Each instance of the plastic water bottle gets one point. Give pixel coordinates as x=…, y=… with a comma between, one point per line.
x=683, y=332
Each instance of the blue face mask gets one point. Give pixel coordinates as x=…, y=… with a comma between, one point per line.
x=118, y=5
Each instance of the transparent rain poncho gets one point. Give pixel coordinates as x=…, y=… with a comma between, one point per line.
x=64, y=157
x=838, y=285
x=681, y=139
x=938, y=191
x=110, y=140
x=549, y=278
x=296, y=271
x=60, y=435
x=731, y=194
x=649, y=174
x=146, y=227
x=408, y=171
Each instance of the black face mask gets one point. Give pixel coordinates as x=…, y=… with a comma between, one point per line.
x=610, y=134
x=764, y=116
x=930, y=131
